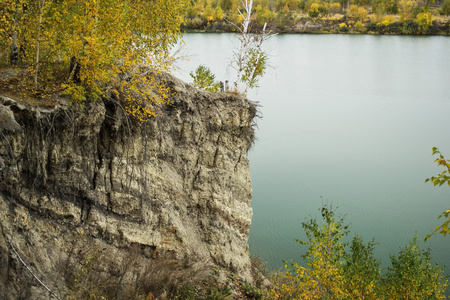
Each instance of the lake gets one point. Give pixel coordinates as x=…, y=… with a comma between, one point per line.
x=349, y=120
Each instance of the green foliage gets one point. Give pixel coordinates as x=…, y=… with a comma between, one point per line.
x=221, y=293
x=406, y=9
x=439, y=180
x=417, y=10
x=424, y=19
x=263, y=14
x=340, y=270
x=255, y=68
x=343, y=27
x=250, y=291
x=314, y=10
x=281, y=20
x=205, y=79
x=362, y=270
x=325, y=258
x=413, y=276
x=359, y=13
x=325, y=254
x=335, y=7
x=324, y=9
x=446, y=7
x=360, y=27
x=325, y=241
x=361, y=2
x=353, y=11
x=444, y=177
x=387, y=20
x=226, y=5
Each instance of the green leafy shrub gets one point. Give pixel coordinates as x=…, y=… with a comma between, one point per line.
x=413, y=276
x=314, y=10
x=362, y=270
x=336, y=269
x=343, y=27
x=360, y=27
x=205, y=79
x=255, y=68
x=324, y=9
x=424, y=19
x=446, y=7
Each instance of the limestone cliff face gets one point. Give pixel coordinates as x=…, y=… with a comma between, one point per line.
x=72, y=180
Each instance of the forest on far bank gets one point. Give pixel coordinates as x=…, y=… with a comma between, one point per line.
x=324, y=16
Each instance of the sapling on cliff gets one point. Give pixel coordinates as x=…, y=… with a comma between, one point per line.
x=249, y=60
x=205, y=79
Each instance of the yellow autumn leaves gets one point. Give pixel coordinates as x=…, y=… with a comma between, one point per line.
x=99, y=46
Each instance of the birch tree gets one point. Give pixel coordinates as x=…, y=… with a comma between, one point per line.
x=41, y=7
x=249, y=59
x=111, y=45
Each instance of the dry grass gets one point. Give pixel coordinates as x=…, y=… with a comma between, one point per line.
x=98, y=273
x=17, y=83
x=441, y=19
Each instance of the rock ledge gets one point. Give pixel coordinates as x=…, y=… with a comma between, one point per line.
x=75, y=180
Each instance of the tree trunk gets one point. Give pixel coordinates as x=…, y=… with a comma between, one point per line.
x=74, y=70
x=36, y=74
x=244, y=40
x=14, y=54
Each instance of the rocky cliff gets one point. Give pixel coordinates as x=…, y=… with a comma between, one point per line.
x=79, y=185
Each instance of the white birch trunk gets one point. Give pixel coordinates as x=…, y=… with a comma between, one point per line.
x=36, y=74
x=244, y=38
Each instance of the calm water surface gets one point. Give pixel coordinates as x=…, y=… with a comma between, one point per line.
x=350, y=120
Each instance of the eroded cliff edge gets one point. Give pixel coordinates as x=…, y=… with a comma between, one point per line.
x=76, y=180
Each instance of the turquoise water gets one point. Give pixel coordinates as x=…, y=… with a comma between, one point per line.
x=348, y=120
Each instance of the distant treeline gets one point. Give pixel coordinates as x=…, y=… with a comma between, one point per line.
x=324, y=16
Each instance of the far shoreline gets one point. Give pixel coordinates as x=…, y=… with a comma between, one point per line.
x=407, y=28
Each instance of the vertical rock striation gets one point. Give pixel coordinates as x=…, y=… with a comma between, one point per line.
x=72, y=180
